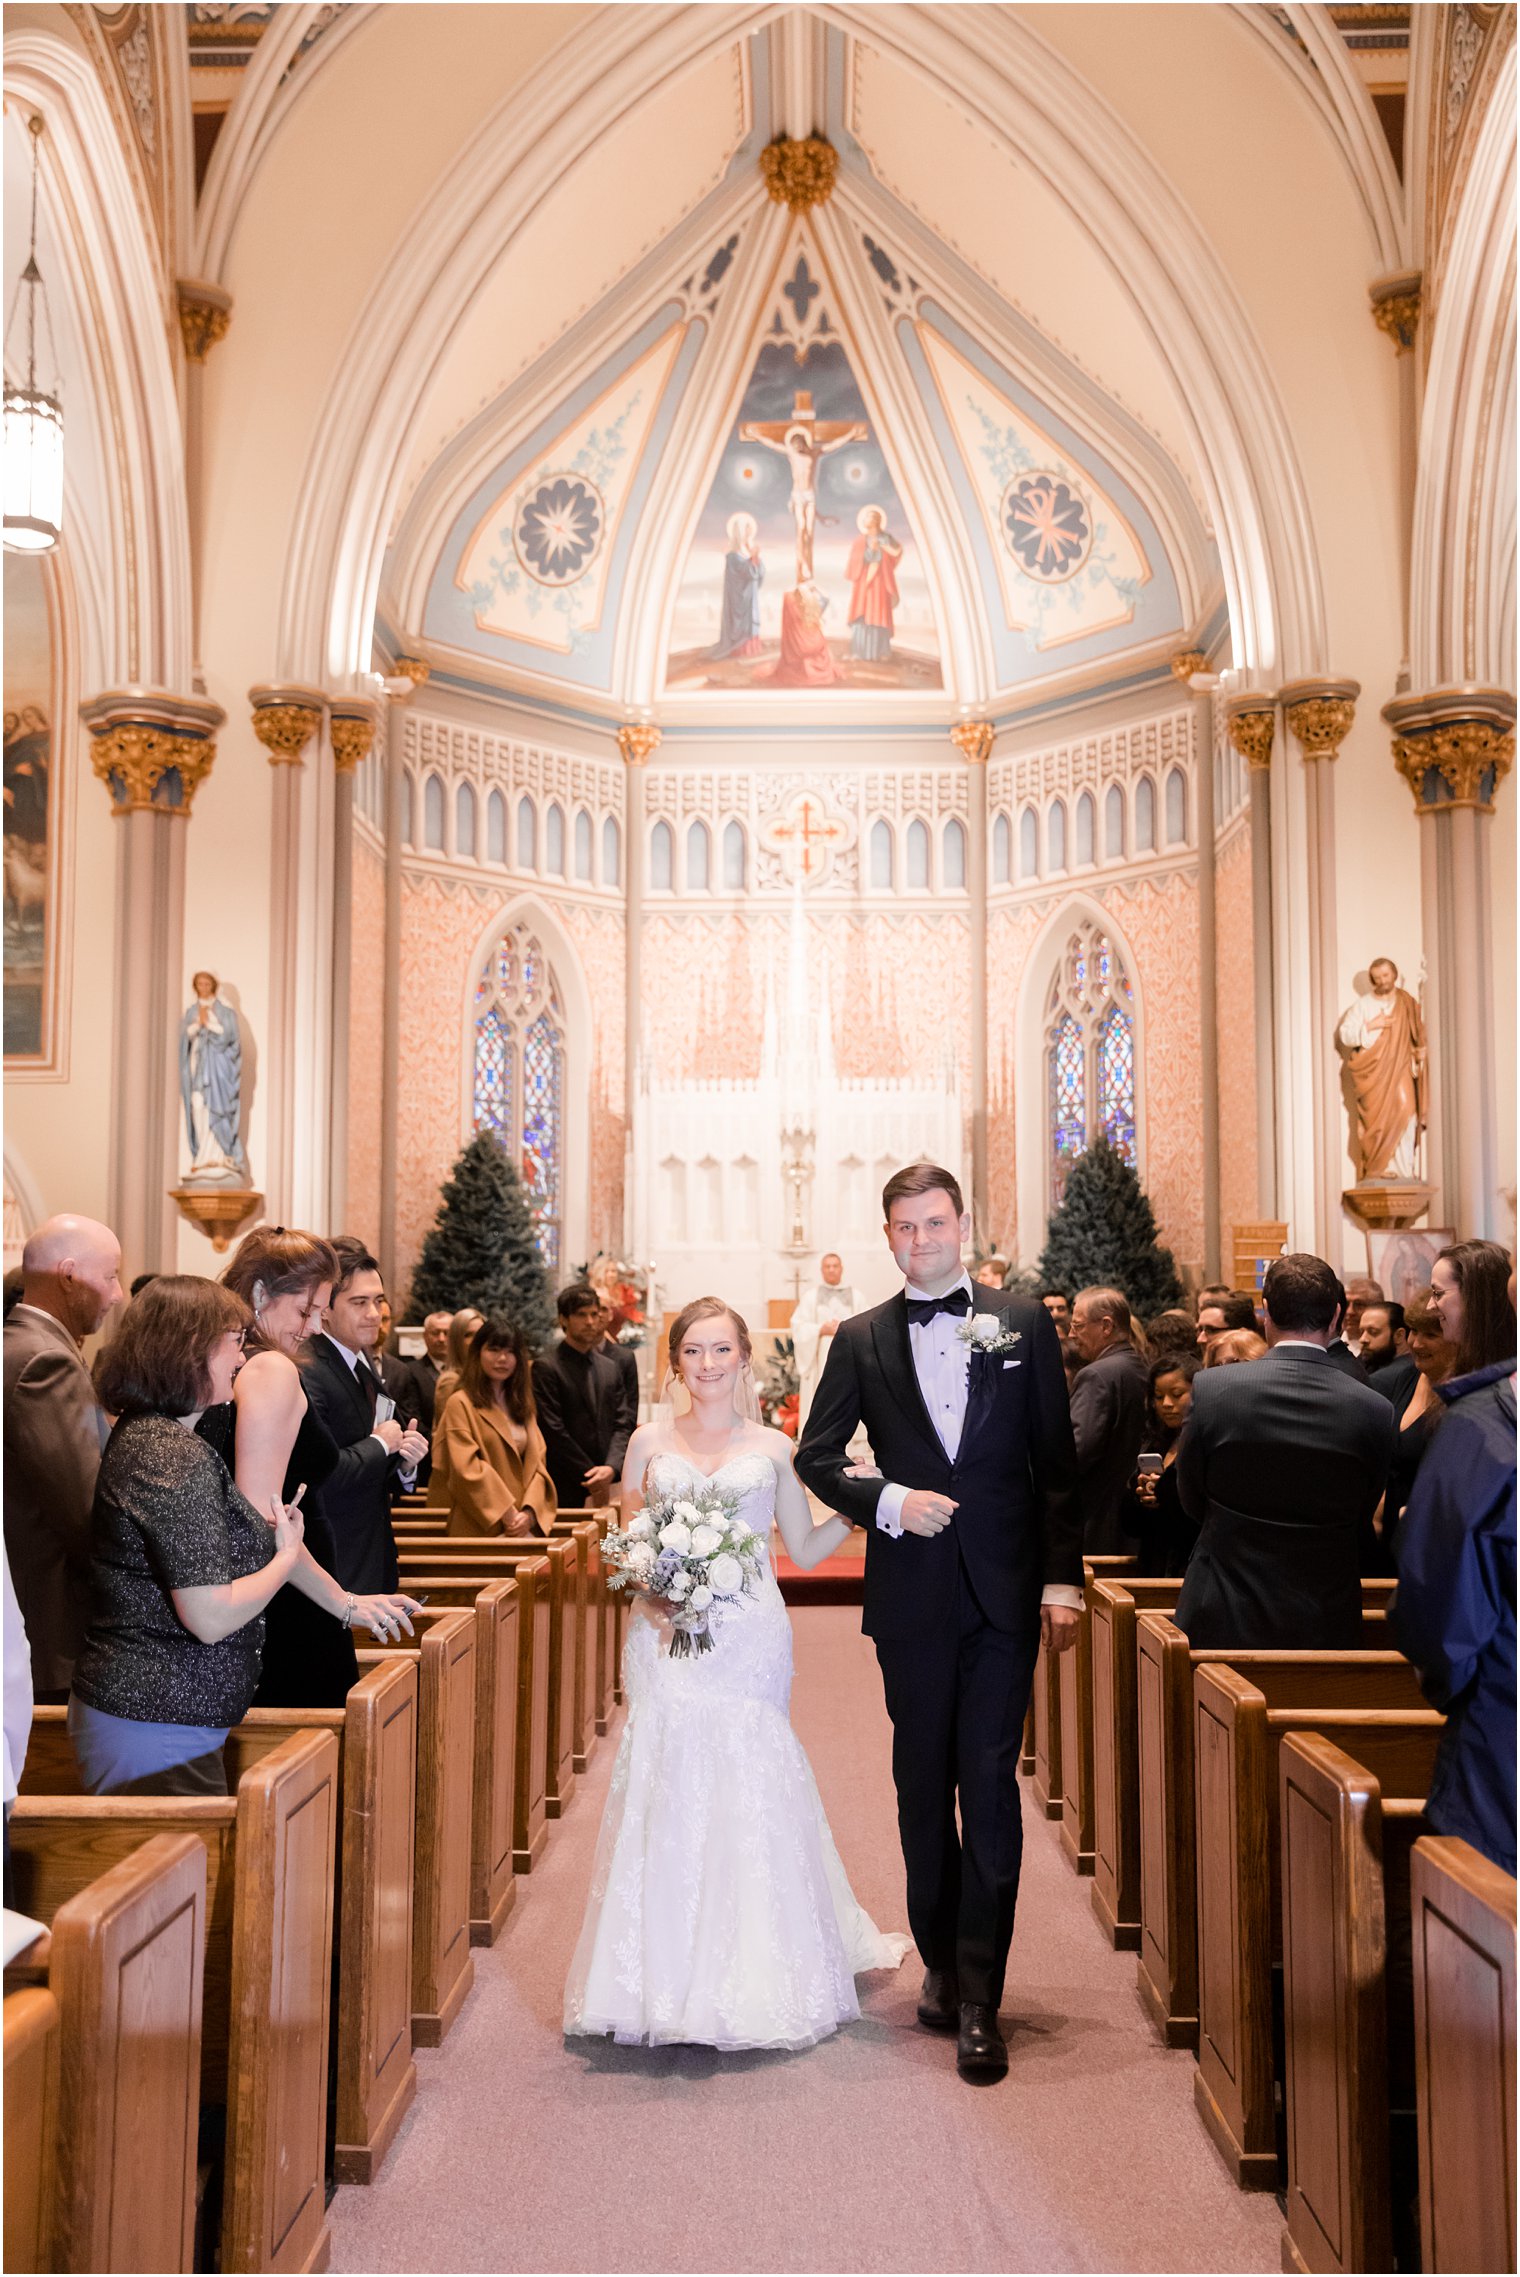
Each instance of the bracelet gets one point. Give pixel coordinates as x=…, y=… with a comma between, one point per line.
x=349, y=1610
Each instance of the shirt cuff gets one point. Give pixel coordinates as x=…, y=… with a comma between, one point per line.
x=407, y=1479
x=889, y=1510
x=1062, y=1593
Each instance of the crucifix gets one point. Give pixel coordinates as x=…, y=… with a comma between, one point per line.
x=811, y=830
x=803, y=440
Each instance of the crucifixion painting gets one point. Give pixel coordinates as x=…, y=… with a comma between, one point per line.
x=803, y=440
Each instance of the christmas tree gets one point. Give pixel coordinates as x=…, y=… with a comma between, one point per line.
x=1104, y=1236
x=482, y=1250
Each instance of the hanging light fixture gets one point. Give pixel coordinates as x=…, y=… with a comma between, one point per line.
x=33, y=472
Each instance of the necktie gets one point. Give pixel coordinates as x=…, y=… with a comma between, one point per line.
x=921, y=1310
x=370, y=1386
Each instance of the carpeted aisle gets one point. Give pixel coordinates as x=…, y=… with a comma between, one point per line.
x=867, y=2153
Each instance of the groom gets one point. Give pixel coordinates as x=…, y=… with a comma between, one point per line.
x=973, y=1553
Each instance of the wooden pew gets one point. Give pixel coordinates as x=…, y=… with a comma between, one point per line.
x=443, y=1970
x=499, y=1560
x=1074, y=1696
x=1167, y=1968
x=271, y=1854
x=595, y=1682
x=32, y=2035
x=1241, y=1715
x=1113, y=1607
x=1348, y=2013
x=1464, y=2000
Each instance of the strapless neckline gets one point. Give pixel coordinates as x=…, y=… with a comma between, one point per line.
x=709, y=1478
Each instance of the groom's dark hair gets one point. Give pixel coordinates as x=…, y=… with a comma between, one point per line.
x=920, y=1178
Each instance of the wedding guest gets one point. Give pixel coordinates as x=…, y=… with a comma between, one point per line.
x=273, y=1444
x=1417, y=1411
x=379, y=1453
x=1282, y=1465
x=1361, y=1291
x=1058, y=1304
x=992, y=1273
x=490, y=1471
x=1382, y=1341
x=584, y=1406
x=1107, y=1415
x=428, y=1366
x=462, y=1326
x=1472, y=1290
x=1220, y=1315
x=1211, y=1293
x=1234, y=1346
x=624, y=1354
x=54, y=1431
x=182, y=1564
x=1174, y=1332
x=1166, y=1532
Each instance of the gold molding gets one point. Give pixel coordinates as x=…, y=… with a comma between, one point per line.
x=799, y=174
x=205, y=312
x=1251, y=731
x=285, y=730
x=412, y=668
x=1320, y=714
x=1190, y=661
x=1396, y=308
x=1464, y=737
x=217, y=1210
x=353, y=738
x=638, y=743
x=973, y=739
x=134, y=761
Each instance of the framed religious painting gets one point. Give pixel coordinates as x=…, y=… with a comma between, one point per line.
x=29, y=847
x=1400, y=1262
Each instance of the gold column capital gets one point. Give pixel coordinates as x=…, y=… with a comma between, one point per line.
x=205, y=311
x=1251, y=724
x=285, y=719
x=1396, y=307
x=638, y=741
x=151, y=750
x=351, y=723
x=799, y=174
x=1454, y=746
x=1190, y=661
x=412, y=668
x=973, y=739
x=1320, y=713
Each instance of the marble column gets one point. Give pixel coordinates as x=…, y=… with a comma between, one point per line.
x=638, y=741
x=285, y=718
x=352, y=722
x=1191, y=670
x=410, y=674
x=1396, y=312
x=1319, y=714
x=1251, y=723
x=1454, y=747
x=205, y=311
x=973, y=739
x=152, y=752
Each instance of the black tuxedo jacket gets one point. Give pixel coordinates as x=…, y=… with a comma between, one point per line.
x=1013, y=1476
x=422, y=1375
x=587, y=1411
x=355, y=1498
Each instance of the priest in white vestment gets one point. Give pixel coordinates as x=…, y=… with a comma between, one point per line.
x=817, y=1314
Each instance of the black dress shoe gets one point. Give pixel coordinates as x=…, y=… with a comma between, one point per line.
x=939, y=2003
x=979, y=2051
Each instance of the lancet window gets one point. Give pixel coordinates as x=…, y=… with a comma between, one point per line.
x=1089, y=1054
x=519, y=1086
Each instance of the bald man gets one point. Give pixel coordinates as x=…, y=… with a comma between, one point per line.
x=54, y=1431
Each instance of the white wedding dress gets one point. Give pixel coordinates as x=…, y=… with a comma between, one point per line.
x=719, y=1912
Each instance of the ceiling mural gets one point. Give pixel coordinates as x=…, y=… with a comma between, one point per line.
x=803, y=570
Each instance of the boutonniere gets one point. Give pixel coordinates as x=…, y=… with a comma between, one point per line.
x=984, y=1332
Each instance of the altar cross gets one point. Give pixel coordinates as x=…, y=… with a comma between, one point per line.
x=811, y=831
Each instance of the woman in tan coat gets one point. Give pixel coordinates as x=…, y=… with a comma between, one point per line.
x=488, y=1452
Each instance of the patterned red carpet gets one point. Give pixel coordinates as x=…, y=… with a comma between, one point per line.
x=865, y=2154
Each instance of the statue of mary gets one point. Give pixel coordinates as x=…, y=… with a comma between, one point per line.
x=211, y=1084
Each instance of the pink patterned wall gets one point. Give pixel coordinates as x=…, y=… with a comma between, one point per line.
x=1160, y=921
x=365, y=1031
x=1010, y=936
x=599, y=936
x=1235, y=993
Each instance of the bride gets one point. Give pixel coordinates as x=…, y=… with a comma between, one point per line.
x=719, y=1912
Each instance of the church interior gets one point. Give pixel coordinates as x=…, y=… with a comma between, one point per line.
x=738, y=596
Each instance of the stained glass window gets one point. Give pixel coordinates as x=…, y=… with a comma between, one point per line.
x=1090, y=1053
x=519, y=1086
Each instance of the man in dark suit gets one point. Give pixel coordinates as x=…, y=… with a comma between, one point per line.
x=1281, y=1464
x=379, y=1446
x=1107, y=1416
x=623, y=1354
x=586, y=1408
x=973, y=1551
x=429, y=1366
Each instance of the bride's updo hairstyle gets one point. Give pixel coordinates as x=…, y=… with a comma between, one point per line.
x=702, y=1308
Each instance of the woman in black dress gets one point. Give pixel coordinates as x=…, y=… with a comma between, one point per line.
x=1418, y=1414
x=1167, y=1534
x=272, y=1443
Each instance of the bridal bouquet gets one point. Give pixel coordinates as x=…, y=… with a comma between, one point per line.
x=692, y=1550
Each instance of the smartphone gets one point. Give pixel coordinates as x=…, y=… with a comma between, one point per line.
x=1151, y=1466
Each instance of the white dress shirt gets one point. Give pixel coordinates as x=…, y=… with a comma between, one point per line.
x=351, y=1360
x=942, y=1364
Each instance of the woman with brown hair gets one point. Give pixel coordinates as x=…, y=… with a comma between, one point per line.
x=489, y=1469
x=182, y=1564
x=1232, y=1347
x=1470, y=1289
x=273, y=1443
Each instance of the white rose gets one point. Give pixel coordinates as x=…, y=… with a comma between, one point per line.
x=678, y=1585
x=986, y=1328
x=640, y=1558
x=704, y=1540
x=687, y=1513
x=737, y=1529
x=640, y=1528
x=726, y=1576
x=701, y=1598
x=676, y=1536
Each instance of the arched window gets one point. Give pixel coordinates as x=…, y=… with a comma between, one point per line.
x=1176, y=808
x=554, y=841
x=882, y=862
x=408, y=809
x=583, y=846
x=734, y=857
x=662, y=857
x=1055, y=836
x=1002, y=850
x=612, y=852
x=432, y=814
x=918, y=854
x=519, y=1086
x=1145, y=816
x=464, y=822
x=698, y=858
x=496, y=828
x=1087, y=816
x=1029, y=843
x=1113, y=824
x=954, y=872
x=1089, y=1054
x=527, y=834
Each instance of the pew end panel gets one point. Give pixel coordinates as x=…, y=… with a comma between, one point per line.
x=1166, y=1972
x=1047, y=1733
x=1113, y=1608
x=32, y=2034
x=1463, y=1919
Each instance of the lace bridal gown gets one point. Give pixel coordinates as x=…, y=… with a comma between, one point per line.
x=719, y=1912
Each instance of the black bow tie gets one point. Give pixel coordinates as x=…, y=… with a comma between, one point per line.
x=921, y=1310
